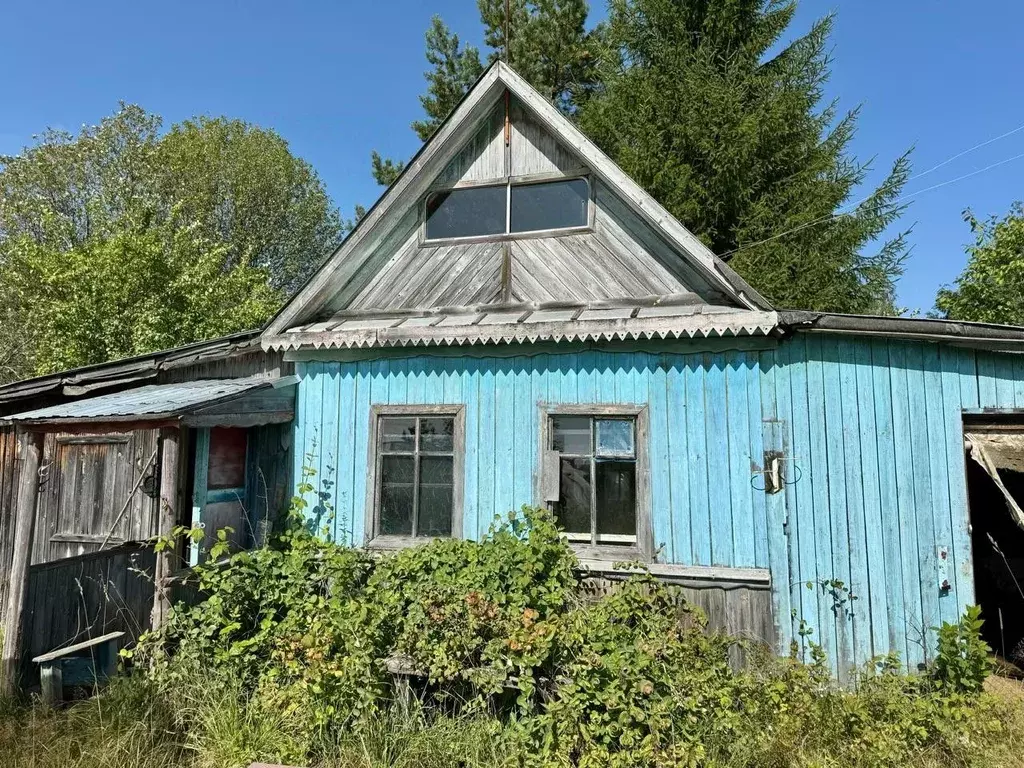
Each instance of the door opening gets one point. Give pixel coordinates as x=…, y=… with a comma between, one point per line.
x=995, y=490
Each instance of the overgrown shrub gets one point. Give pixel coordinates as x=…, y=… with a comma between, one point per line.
x=284, y=659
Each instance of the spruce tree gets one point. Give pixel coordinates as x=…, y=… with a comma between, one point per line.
x=454, y=69
x=727, y=129
x=548, y=44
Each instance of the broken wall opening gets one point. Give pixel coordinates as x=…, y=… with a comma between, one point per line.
x=995, y=487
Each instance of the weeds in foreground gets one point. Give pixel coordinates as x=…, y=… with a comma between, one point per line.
x=284, y=661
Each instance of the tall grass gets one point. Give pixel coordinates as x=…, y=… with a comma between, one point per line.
x=212, y=724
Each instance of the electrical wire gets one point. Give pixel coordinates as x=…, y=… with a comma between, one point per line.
x=845, y=210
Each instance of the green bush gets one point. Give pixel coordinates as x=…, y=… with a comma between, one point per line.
x=513, y=663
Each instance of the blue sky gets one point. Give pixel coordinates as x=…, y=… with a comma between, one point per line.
x=340, y=79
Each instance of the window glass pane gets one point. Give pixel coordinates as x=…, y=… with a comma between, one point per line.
x=551, y=205
x=616, y=498
x=571, y=434
x=437, y=435
x=226, y=468
x=614, y=437
x=396, y=494
x=466, y=212
x=398, y=433
x=435, y=510
x=573, y=507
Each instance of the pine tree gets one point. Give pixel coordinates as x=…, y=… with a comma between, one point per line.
x=699, y=105
x=455, y=69
x=549, y=45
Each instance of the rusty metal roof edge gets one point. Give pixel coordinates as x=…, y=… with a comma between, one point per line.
x=909, y=327
x=70, y=412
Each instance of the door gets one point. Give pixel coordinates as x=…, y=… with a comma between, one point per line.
x=219, y=490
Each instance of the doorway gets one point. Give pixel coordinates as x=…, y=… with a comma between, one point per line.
x=995, y=492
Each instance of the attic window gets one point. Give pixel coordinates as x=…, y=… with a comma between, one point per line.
x=507, y=209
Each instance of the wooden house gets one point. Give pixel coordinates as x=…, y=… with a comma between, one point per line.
x=517, y=322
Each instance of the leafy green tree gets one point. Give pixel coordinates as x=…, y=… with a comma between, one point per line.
x=242, y=187
x=991, y=287
x=548, y=44
x=131, y=292
x=703, y=107
x=91, y=222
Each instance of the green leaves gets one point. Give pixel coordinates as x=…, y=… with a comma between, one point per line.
x=740, y=149
x=120, y=241
x=991, y=288
x=963, y=660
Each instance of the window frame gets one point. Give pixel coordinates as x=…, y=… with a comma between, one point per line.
x=371, y=537
x=643, y=549
x=508, y=182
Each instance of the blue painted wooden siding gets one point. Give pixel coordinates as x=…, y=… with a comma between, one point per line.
x=871, y=432
x=705, y=432
x=873, y=435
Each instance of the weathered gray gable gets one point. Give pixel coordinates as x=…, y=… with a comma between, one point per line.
x=631, y=247
x=619, y=257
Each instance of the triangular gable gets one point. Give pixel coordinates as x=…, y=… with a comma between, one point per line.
x=636, y=249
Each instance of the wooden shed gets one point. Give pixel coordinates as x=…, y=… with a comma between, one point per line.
x=97, y=462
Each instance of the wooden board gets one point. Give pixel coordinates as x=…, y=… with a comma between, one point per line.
x=76, y=599
x=87, y=481
x=869, y=433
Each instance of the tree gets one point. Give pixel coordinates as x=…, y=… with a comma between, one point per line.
x=991, y=287
x=242, y=187
x=238, y=183
x=548, y=44
x=700, y=106
x=455, y=69
x=131, y=292
x=89, y=223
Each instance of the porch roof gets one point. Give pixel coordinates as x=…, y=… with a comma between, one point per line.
x=204, y=402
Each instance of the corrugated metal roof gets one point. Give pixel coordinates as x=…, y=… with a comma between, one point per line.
x=130, y=370
x=495, y=324
x=152, y=400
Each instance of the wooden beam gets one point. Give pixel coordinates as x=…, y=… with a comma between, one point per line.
x=28, y=491
x=170, y=439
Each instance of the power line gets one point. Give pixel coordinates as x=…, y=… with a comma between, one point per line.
x=958, y=155
x=845, y=212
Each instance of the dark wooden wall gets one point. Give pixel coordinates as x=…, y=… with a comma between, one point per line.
x=77, y=598
x=270, y=486
x=8, y=496
x=87, y=481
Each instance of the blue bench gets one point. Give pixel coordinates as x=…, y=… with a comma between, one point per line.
x=87, y=663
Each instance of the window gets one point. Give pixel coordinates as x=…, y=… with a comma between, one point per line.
x=550, y=205
x=466, y=212
x=418, y=473
x=504, y=209
x=593, y=476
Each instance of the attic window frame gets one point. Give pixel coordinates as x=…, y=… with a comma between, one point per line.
x=508, y=182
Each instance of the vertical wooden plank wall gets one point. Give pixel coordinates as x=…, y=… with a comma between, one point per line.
x=8, y=497
x=870, y=430
x=713, y=483
x=876, y=462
